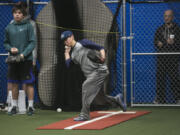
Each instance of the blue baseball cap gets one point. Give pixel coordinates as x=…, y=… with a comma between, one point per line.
x=66, y=34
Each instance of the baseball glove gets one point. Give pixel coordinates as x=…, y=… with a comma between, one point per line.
x=95, y=56
x=14, y=59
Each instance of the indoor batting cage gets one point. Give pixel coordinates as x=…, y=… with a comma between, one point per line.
x=145, y=73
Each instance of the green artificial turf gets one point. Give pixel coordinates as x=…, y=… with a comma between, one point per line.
x=162, y=121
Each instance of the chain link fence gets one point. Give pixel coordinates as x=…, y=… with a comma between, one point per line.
x=4, y=20
x=155, y=68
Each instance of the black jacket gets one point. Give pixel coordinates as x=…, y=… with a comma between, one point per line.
x=162, y=34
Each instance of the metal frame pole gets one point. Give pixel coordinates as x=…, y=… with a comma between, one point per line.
x=131, y=58
x=124, y=52
x=27, y=1
x=37, y=3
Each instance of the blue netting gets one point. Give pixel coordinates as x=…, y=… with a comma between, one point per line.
x=116, y=81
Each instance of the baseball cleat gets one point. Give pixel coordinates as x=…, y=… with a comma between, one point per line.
x=80, y=118
x=119, y=101
x=30, y=111
x=13, y=111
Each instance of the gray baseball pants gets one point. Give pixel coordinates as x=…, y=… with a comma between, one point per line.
x=90, y=88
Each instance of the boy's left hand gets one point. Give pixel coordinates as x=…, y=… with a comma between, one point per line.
x=14, y=50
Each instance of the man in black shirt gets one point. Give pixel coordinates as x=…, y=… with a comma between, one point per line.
x=167, y=40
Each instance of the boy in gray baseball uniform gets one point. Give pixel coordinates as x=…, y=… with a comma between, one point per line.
x=95, y=72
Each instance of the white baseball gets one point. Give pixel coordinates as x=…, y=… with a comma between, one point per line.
x=59, y=110
x=66, y=47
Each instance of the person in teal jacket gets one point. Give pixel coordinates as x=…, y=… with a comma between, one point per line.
x=20, y=41
x=8, y=104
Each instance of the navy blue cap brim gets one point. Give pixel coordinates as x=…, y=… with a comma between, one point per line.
x=66, y=34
